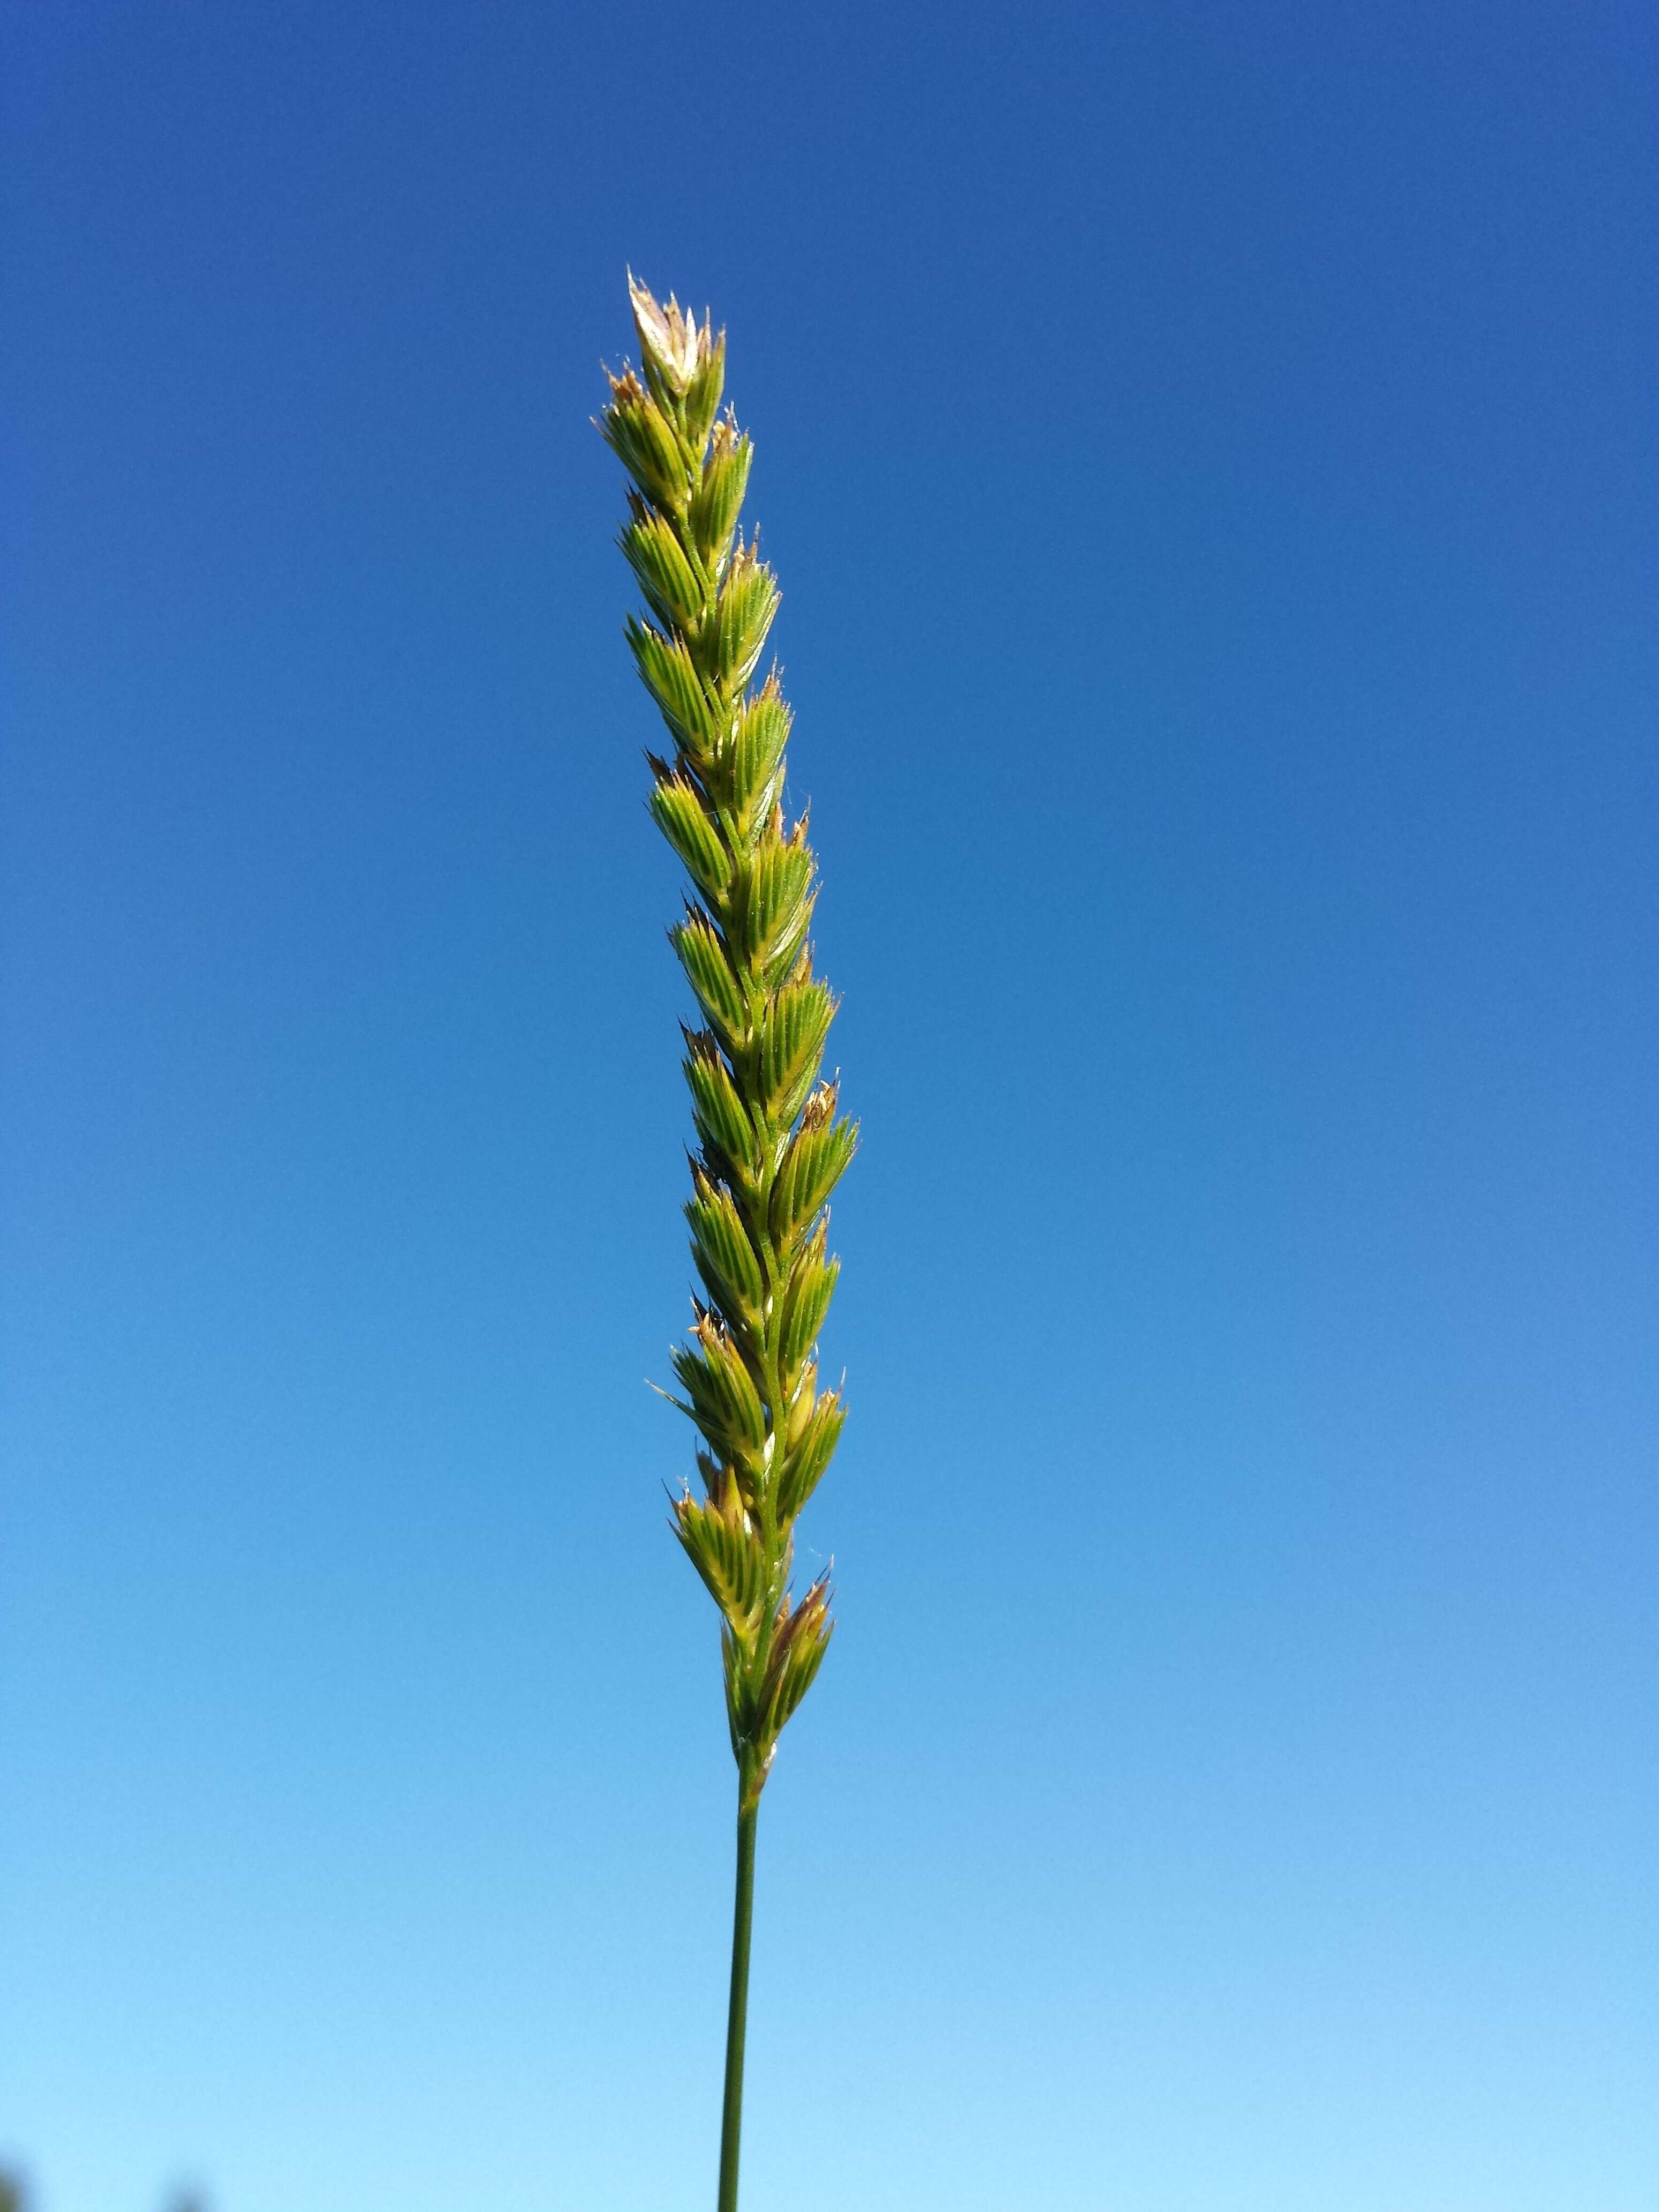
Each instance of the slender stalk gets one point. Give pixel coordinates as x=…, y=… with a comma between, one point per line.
x=772, y=1143
x=736, y=2018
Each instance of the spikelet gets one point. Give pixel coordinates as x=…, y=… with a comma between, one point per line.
x=772, y=1144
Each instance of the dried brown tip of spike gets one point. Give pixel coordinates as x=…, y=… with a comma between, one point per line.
x=676, y=344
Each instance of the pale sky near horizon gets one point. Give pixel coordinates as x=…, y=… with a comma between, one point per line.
x=1207, y=452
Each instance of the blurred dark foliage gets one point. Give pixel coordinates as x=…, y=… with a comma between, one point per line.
x=14, y=2197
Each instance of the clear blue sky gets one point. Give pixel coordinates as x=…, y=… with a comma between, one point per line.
x=1209, y=455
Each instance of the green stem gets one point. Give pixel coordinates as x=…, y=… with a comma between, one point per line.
x=736, y=2018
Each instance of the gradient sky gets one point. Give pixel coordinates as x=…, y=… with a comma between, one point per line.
x=1208, y=455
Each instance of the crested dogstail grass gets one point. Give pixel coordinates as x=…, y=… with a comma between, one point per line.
x=771, y=1142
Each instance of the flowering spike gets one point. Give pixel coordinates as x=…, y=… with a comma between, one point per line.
x=772, y=1143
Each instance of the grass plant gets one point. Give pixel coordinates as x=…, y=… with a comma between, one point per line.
x=771, y=1142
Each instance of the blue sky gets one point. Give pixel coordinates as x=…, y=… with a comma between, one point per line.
x=1208, y=455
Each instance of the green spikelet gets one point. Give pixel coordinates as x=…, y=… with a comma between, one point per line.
x=771, y=1142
